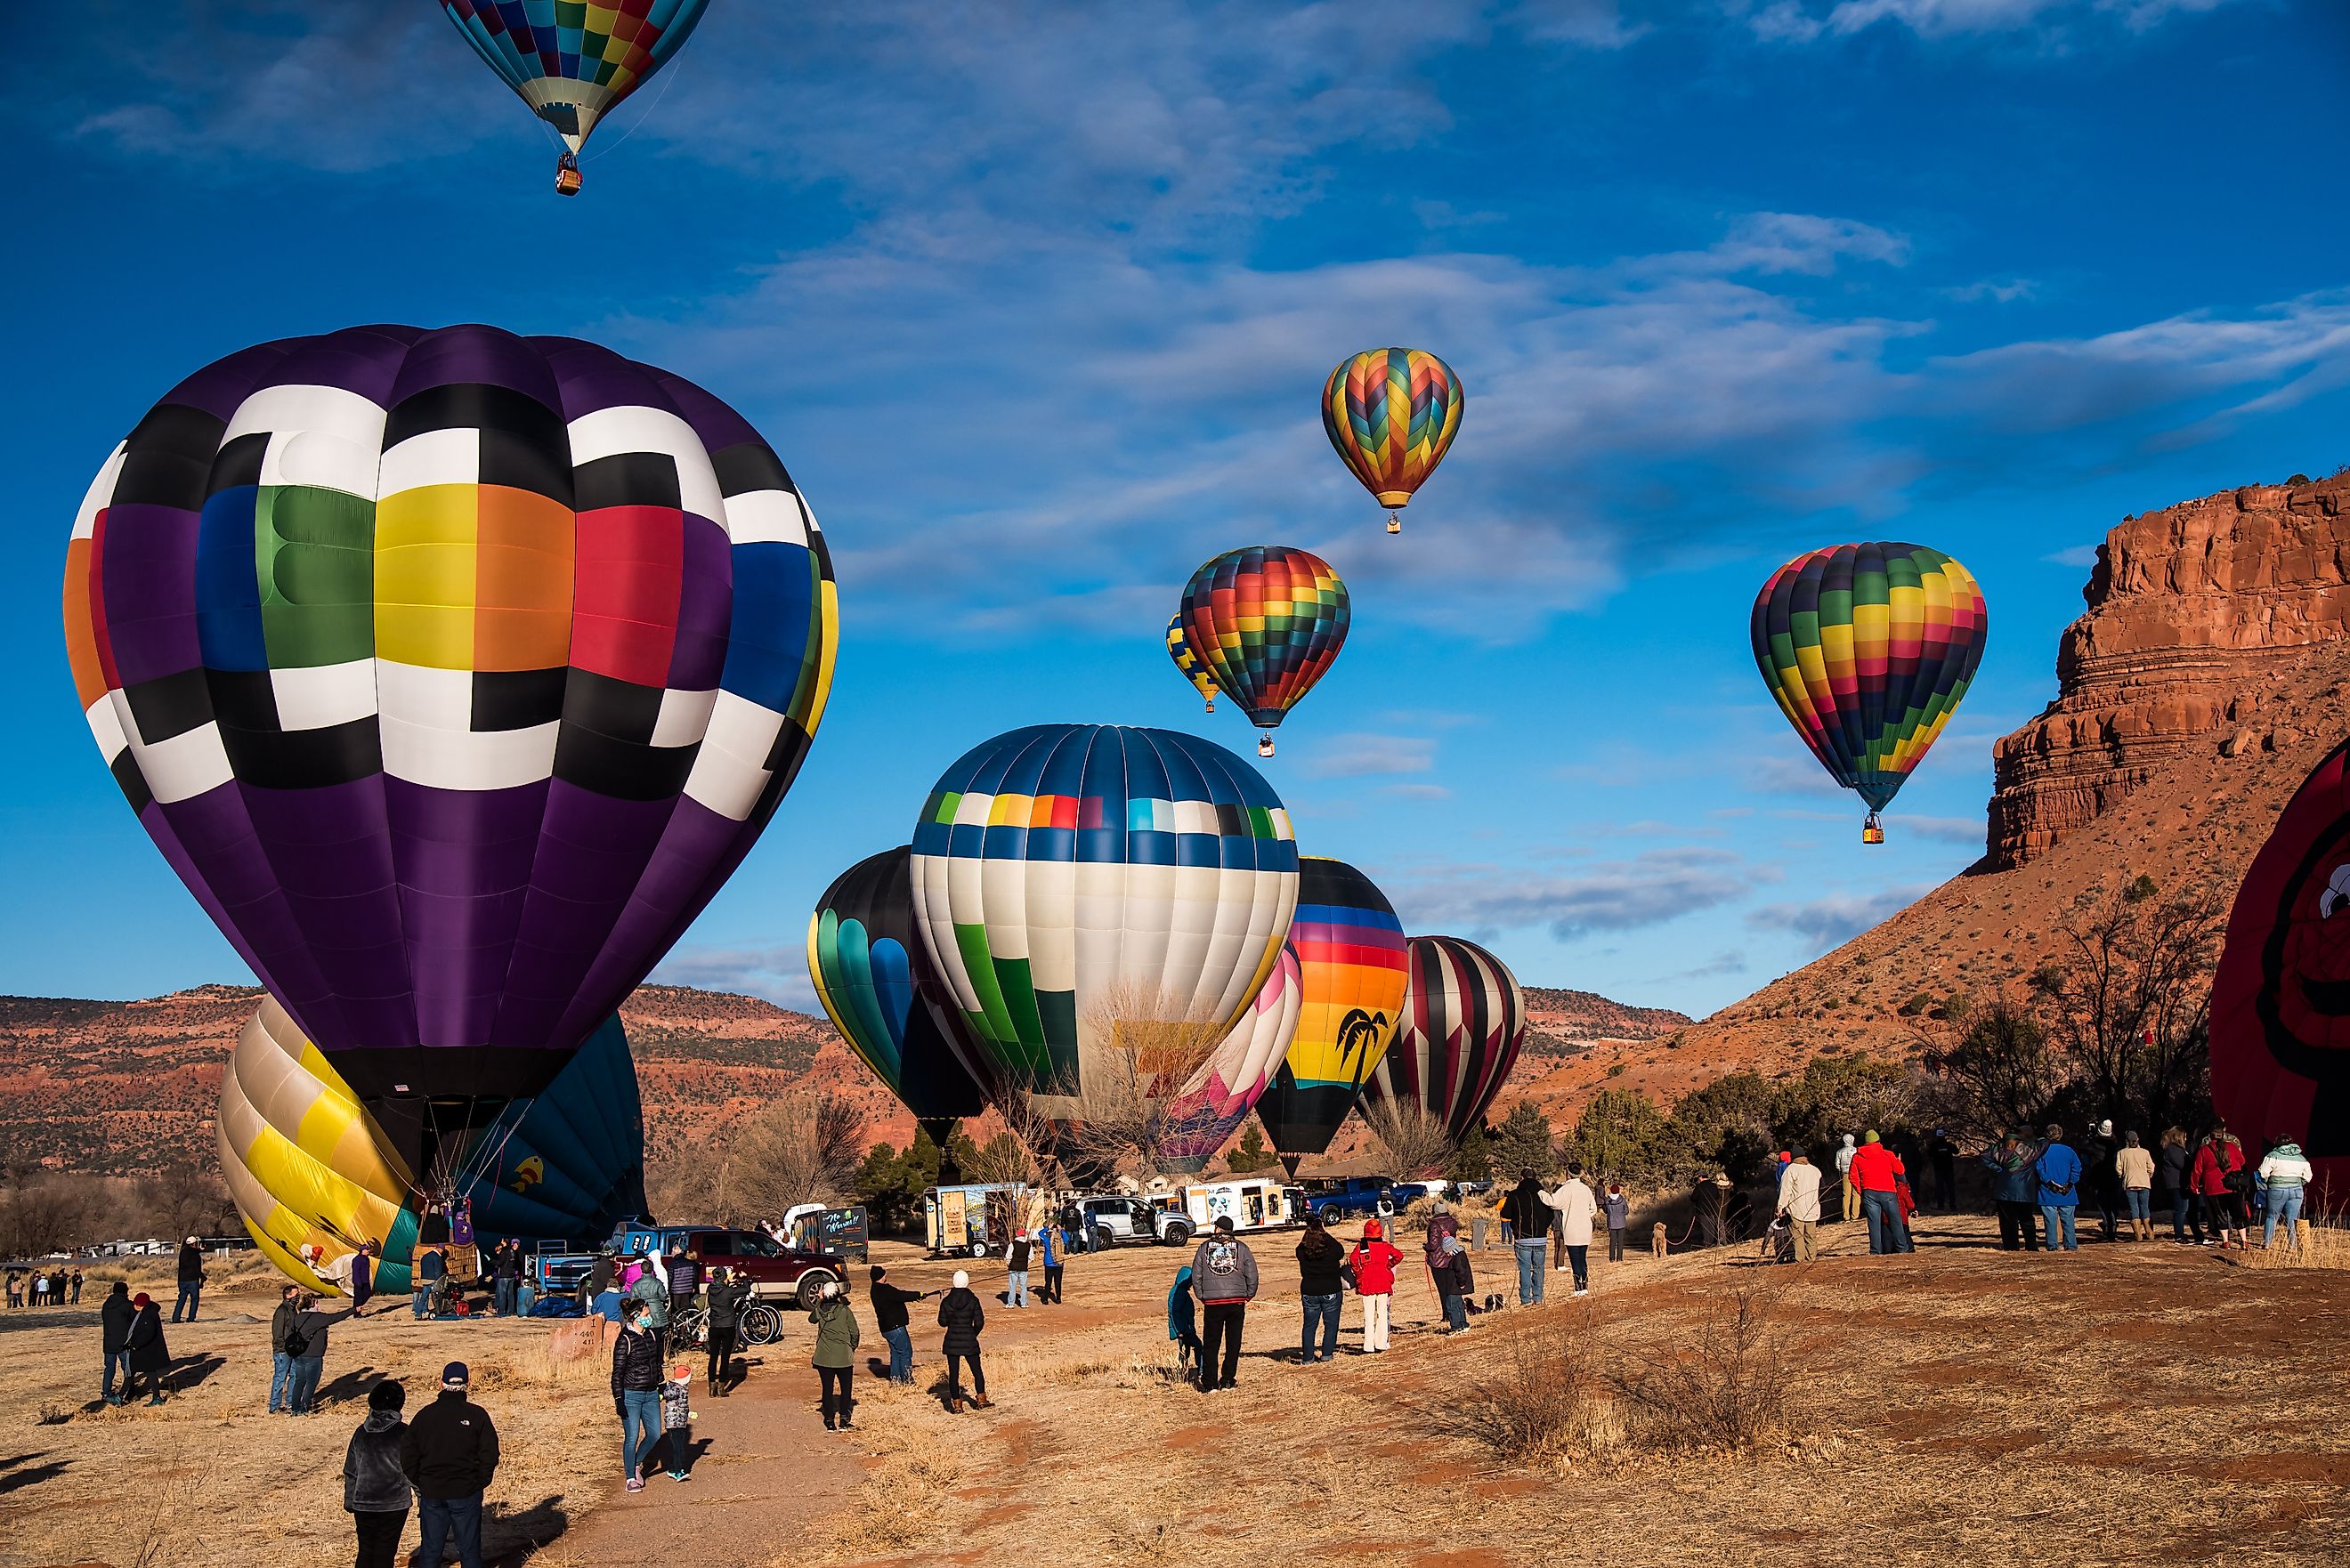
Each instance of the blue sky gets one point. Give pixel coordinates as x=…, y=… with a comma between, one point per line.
x=1035, y=303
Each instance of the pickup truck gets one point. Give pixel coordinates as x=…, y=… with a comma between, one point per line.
x=1354, y=1198
x=776, y=1273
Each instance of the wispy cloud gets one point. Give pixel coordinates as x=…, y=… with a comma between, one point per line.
x=1804, y=21
x=1646, y=889
x=1362, y=755
x=2073, y=556
x=1830, y=921
x=777, y=974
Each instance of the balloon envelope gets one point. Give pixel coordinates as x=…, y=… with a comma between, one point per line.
x=1266, y=622
x=1350, y=959
x=874, y=979
x=571, y=62
x=1464, y=1019
x=1079, y=887
x=1178, y=648
x=453, y=672
x=1391, y=414
x=307, y=1166
x=1221, y=1097
x=1868, y=649
x=2280, y=1001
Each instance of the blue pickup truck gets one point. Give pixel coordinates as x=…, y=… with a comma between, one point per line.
x=1355, y=1198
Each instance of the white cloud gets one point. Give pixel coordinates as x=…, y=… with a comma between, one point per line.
x=1828, y=922
x=2073, y=556
x=1804, y=21
x=1646, y=889
x=777, y=974
x=1360, y=755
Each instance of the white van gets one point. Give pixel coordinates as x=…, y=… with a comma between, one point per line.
x=1250, y=1203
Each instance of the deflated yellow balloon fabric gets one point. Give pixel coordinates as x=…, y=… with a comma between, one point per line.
x=305, y=1164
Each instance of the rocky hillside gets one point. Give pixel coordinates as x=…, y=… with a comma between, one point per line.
x=2209, y=674
x=130, y=1086
x=1559, y=1019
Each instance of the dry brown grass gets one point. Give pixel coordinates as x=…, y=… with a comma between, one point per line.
x=208, y=1480
x=2324, y=1244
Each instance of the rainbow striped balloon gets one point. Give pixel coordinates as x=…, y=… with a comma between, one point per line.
x=1868, y=649
x=1391, y=413
x=1266, y=622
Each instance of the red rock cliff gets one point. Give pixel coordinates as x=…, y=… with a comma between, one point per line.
x=2197, y=613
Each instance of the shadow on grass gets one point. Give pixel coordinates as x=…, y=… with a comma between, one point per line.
x=511, y=1535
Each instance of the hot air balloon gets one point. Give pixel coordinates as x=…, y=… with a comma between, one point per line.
x=311, y=1169
x=1178, y=648
x=874, y=979
x=1391, y=414
x=1094, y=896
x=571, y=62
x=1868, y=649
x=1464, y=1021
x=2280, y=1001
x=1266, y=622
x=453, y=672
x=1227, y=1088
x=1350, y=960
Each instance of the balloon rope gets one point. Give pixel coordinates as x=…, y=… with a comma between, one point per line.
x=641, y=117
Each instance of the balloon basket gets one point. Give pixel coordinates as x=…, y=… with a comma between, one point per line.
x=1264, y=745
x=1872, y=831
x=1395, y=524
x=1211, y=705
x=566, y=176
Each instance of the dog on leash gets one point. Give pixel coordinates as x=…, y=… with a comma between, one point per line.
x=1658, y=1242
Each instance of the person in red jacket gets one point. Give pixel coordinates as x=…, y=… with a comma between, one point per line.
x=1876, y=1173
x=2220, y=1158
x=1374, y=1262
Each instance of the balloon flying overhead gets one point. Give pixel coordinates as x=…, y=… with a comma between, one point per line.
x=1349, y=948
x=874, y=979
x=2280, y=1001
x=1868, y=650
x=453, y=672
x=1464, y=1019
x=1091, y=894
x=572, y=60
x=1178, y=648
x=1265, y=622
x=1391, y=415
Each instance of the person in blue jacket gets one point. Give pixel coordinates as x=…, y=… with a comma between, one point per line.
x=2059, y=1171
x=2014, y=1192
x=1184, y=1321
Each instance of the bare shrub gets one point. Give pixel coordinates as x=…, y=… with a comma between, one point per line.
x=1546, y=1398
x=1414, y=1141
x=1151, y=1050
x=1723, y=1386
x=804, y=1148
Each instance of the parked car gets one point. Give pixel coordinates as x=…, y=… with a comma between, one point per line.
x=775, y=1272
x=1156, y=1217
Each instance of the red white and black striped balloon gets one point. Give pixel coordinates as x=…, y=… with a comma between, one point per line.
x=1464, y=1018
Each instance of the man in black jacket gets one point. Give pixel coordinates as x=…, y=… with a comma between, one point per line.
x=191, y=1278
x=114, y=1339
x=890, y=1317
x=505, y=1273
x=449, y=1452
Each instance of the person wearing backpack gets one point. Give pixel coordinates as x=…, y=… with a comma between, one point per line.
x=1374, y=1262
x=2287, y=1172
x=306, y=1342
x=1224, y=1276
x=2059, y=1171
x=2220, y=1181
